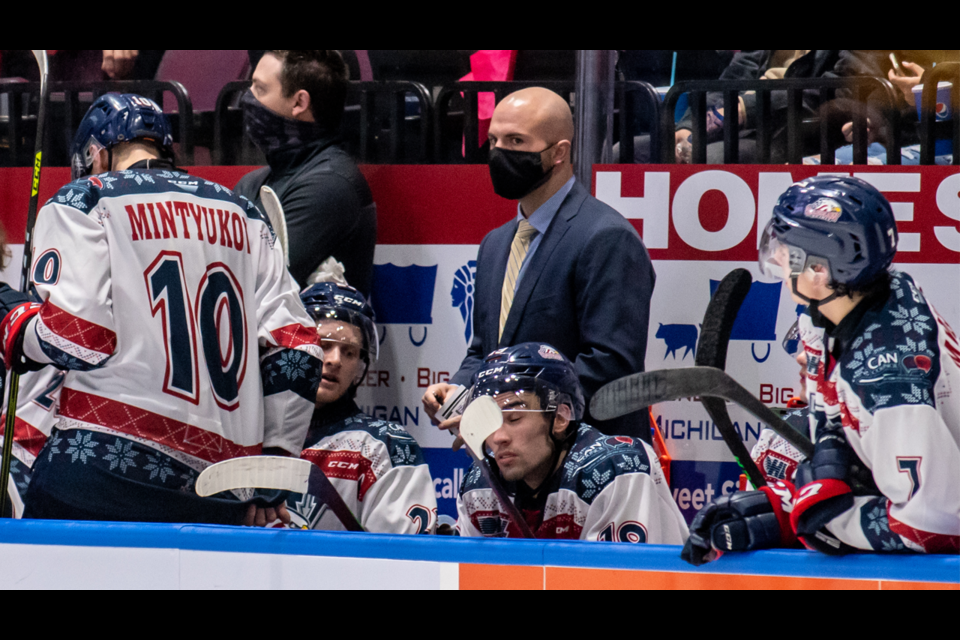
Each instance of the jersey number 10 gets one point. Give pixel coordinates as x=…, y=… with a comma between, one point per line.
x=216, y=315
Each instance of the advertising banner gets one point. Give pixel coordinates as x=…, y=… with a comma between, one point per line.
x=698, y=223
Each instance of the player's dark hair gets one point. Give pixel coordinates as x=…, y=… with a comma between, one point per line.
x=879, y=286
x=323, y=74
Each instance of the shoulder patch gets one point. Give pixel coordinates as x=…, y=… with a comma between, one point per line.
x=597, y=460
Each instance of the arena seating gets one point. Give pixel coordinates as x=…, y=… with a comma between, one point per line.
x=394, y=121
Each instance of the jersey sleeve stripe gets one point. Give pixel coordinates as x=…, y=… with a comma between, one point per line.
x=294, y=336
x=344, y=465
x=929, y=542
x=25, y=435
x=130, y=420
x=88, y=341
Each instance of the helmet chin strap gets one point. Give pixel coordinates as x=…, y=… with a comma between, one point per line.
x=814, y=305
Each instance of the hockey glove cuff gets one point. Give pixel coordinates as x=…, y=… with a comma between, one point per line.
x=816, y=505
x=11, y=333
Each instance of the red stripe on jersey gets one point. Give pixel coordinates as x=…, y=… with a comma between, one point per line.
x=294, y=335
x=77, y=330
x=929, y=542
x=134, y=421
x=344, y=465
x=25, y=435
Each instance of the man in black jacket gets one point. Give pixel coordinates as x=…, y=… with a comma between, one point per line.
x=293, y=113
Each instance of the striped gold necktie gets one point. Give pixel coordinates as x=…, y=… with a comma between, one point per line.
x=518, y=252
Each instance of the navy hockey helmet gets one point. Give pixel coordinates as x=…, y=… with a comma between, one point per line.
x=115, y=118
x=842, y=223
x=331, y=301
x=535, y=368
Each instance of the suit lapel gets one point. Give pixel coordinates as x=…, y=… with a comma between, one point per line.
x=555, y=233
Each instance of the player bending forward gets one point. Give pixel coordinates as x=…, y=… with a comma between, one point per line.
x=568, y=480
x=883, y=378
x=376, y=466
x=165, y=298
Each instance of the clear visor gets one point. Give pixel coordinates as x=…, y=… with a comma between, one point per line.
x=777, y=260
x=82, y=162
x=523, y=395
x=348, y=328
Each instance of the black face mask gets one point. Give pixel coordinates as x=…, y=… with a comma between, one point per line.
x=272, y=132
x=516, y=174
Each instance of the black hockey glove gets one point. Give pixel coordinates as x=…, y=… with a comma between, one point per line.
x=743, y=521
x=825, y=492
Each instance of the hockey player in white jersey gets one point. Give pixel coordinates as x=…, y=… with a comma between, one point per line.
x=166, y=300
x=883, y=378
x=568, y=480
x=376, y=466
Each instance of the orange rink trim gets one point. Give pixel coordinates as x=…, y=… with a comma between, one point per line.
x=481, y=577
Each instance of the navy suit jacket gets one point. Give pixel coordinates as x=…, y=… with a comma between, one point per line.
x=586, y=292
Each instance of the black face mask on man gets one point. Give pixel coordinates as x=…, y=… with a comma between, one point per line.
x=516, y=174
x=272, y=132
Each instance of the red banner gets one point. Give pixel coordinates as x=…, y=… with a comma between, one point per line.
x=711, y=213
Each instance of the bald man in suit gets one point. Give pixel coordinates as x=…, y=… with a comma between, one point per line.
x=568, y=271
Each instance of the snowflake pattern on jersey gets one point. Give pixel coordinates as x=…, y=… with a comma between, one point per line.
x=876, y=526
x=53, y=445
x=21, y=475
x=159, y=467
x=81, y=447
x=122, y=455
x=291, y=370
x=894, y=360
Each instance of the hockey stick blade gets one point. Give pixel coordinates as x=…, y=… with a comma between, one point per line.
x=642, y=390
x=712, y=347
x=480, y=421
x=274, y=211
x=279, y=474
x=255, y=472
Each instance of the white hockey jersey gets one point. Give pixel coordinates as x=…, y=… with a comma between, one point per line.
x=166, y=298
x=895, y=392
x=376, y=467
x=609, y=489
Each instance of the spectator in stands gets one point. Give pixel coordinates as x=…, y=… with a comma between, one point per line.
x=775, y=64
x=293, y=113
x=83, y=65
x=568, y=270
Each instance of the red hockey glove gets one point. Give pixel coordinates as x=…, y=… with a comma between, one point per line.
x=11, y=331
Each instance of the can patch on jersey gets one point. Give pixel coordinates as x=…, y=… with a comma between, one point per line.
x=550, y=353
x=824, y=209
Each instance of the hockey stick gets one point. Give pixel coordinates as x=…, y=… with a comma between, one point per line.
x=712, y=352
x=295, y=475
x=9, y=427
x=641, y=390
x=274, y=210
x=480, y=421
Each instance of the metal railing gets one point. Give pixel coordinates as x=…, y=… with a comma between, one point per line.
x=69, y=102
x=929, y=127
x=861, y=88
x=458, y=123
x=384, y=122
